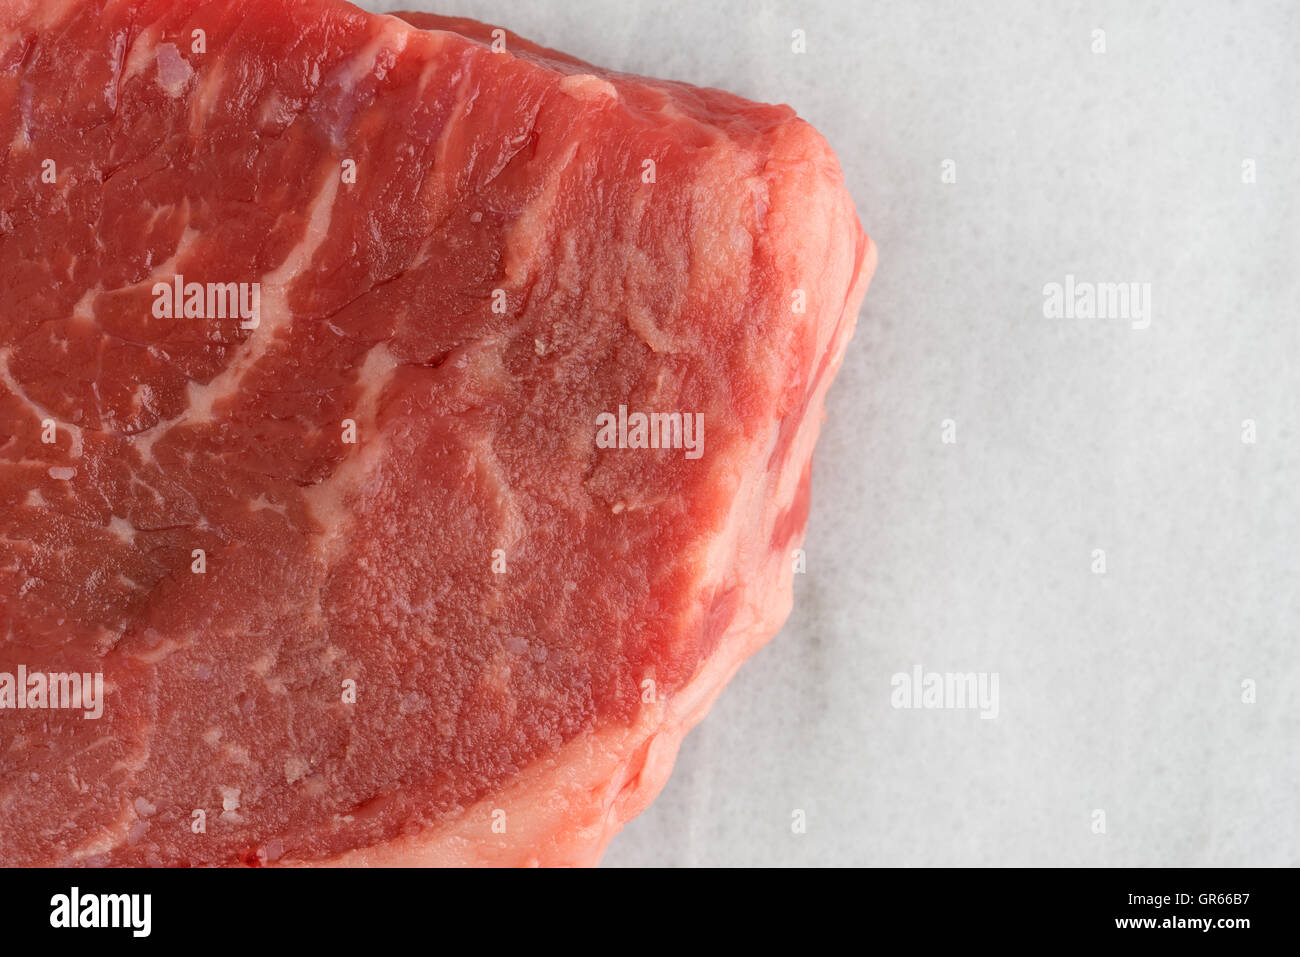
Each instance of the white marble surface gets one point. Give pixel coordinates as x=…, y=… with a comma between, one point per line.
x=1120, y=692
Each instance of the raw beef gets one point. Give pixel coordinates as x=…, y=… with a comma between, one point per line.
x=368, y=554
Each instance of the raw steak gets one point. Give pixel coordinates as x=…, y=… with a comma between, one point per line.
x=377, y=572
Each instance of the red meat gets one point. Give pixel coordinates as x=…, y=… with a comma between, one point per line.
x=363, y=582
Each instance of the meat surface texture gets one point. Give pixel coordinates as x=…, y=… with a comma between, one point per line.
x=363, y=581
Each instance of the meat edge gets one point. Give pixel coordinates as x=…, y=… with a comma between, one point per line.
x=565, y=808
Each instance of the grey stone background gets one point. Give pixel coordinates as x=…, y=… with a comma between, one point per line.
x=1120, y=692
